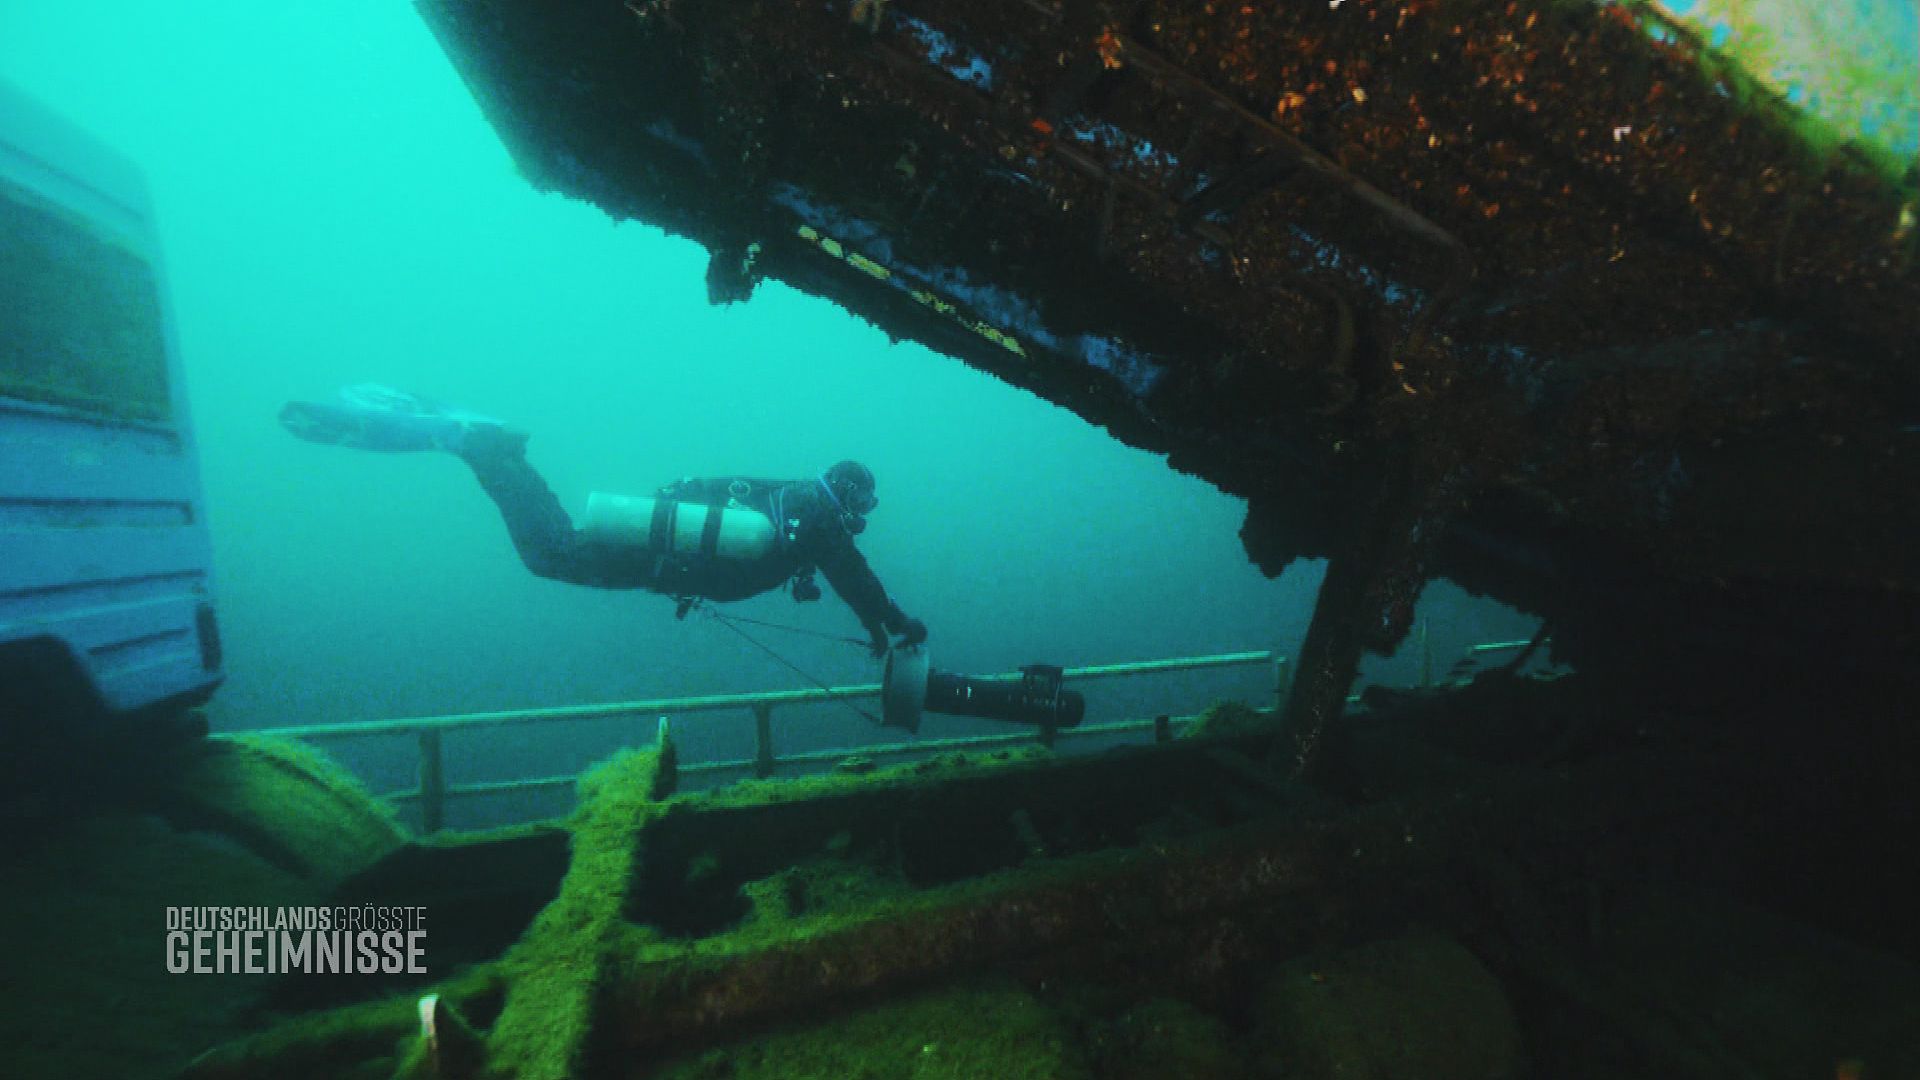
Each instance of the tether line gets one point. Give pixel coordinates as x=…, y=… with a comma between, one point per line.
x=728, y=622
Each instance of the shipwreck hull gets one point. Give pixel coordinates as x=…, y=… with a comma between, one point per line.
x=1549, y=271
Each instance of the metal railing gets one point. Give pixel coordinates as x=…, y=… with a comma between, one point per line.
x=433, y=790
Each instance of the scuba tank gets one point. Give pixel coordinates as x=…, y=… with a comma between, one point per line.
x=678, y=528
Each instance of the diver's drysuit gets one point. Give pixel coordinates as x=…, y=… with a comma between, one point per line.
x=811, y=531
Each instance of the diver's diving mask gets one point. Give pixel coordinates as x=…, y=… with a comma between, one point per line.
x=850, y=486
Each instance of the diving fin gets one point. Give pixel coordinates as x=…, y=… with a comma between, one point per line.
x=369, y=416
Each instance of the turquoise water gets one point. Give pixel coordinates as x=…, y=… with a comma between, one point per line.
x=336, y=210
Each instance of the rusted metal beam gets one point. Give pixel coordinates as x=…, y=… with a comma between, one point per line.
x=1365, y=602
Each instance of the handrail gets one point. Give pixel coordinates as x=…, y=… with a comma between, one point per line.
x=433, y=791
x=885, y=750
x=717, y=702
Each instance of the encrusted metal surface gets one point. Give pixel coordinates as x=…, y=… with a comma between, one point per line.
x=1539, y=271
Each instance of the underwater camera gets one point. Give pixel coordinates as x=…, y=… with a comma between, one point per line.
x=912, y=687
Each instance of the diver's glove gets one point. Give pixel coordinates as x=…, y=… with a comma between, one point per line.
x=912, y=632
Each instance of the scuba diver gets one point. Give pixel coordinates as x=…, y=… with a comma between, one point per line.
x=720, y=539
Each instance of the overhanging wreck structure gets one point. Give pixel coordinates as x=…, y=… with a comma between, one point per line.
x=1539, y=296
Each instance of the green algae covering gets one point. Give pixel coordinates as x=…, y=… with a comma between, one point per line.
x=556, y=972
x=371, y=1040
x=539, y=1003
x=297, y=807
x=541, y=998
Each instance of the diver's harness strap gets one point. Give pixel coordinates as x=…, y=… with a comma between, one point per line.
x=710, y=534
x=660, y=531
